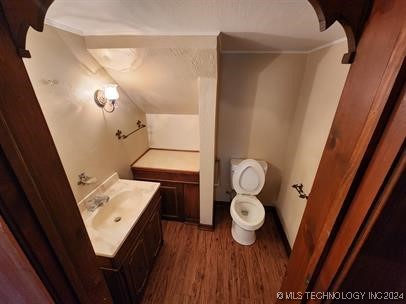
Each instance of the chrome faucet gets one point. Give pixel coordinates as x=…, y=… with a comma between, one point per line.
x=96, y=202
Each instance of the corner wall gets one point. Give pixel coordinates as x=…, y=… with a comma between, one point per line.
x=83, y=133
x=320, y=92
x=258, y=97
x=173, y=131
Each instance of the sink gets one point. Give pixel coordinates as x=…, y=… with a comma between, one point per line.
x=117, y=211
x=109, y=225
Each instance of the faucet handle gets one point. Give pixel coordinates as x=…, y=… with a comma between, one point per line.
x=86, y=180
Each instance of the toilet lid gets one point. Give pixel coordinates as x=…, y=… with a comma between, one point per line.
x=249, y=177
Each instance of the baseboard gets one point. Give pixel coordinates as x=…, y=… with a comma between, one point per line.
x=221, y=203
x=206, y=227
x=281, y=231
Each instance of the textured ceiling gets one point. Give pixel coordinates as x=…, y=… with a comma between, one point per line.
x=248, y=25
x=162, y=80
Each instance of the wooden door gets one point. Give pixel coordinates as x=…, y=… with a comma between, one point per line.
x=33, y=158
x=19, y=282
x=26, y=229
x=368, y=98
x=379, y=265
x=368, y=201
x=191, y=200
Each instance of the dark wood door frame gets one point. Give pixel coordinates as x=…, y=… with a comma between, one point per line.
x=32, y=156
x=370, y=95
x=361, y=116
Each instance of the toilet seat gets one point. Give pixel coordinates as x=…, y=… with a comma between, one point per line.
x=247, y=211
x=249, y=177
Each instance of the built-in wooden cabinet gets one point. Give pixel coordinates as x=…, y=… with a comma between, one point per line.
x=127, y=272
x=179, y=190
x=172, y=198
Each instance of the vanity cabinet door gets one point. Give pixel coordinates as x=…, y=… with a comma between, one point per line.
x=136, y=270
x=172, y=200
x=153, y=236
x=191, y=201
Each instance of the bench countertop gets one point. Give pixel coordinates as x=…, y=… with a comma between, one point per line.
x=169, y=160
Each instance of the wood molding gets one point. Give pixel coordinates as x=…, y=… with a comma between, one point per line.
x=30, y=150
x=20, y=282
x=206, y=227
x=22, y=14
x=352, y=15
x=19, y=215
x=377, y=261
x=368, y=193
x=357, y=127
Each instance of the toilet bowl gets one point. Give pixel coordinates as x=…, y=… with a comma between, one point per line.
x=248, y=215
x=247, y=212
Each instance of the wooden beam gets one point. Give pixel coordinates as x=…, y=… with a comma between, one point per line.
x=22, y=14
x=351, y=14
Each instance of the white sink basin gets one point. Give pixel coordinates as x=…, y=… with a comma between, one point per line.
x=109, y=225
x=120, y=209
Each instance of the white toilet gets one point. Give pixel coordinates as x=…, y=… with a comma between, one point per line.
x=247, y=212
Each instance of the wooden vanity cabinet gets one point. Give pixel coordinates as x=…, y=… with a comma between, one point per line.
x=179, y=190
x=127, y=272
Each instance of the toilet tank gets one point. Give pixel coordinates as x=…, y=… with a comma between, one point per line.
x=236, y=161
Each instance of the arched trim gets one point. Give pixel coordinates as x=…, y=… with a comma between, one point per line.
x=352, y=15
x=22, y=14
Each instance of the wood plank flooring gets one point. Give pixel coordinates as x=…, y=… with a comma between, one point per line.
x=196, y=266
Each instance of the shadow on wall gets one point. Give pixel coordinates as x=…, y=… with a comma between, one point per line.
x=273, y=180
x=250, y=42
x=321, y=89
x=236, y=113
x=302, y=135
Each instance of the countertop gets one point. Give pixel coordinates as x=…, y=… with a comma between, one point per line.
x=169, y=160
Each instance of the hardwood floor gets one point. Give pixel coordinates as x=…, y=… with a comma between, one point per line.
x=196, y=266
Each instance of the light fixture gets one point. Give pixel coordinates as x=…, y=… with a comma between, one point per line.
x=107, y=97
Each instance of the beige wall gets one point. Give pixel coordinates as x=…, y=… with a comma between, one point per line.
x=65, y=78
x=173, y=131
x=319, y=95
x=258, y=97
x=207, y=127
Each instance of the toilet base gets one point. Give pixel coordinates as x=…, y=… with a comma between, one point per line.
x=242, y=236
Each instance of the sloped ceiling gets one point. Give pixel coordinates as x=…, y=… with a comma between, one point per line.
x=159, y=80
x=249, y=25
x=156, y=49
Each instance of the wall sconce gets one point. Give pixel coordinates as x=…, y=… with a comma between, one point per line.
x=107, y=98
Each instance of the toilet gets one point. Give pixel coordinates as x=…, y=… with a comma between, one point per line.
x=247, y=212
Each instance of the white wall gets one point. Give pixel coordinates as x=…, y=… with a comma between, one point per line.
x=258, y=97
x=65, y=77
x=173, y=131
x=319, y=95
x=207, y=123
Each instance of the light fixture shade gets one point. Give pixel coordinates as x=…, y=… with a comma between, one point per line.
x=110, y=92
